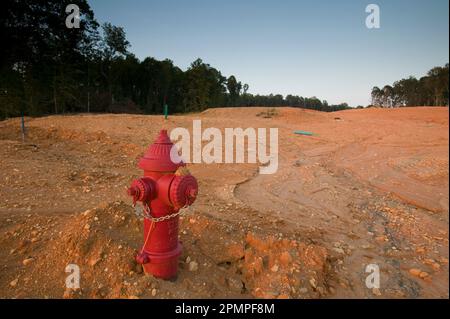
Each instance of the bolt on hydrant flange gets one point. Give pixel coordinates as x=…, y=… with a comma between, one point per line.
x=165, y=188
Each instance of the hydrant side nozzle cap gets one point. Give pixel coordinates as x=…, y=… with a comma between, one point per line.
x=183, y=190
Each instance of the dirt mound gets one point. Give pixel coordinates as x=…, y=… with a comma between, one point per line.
x=264, y=113
x=218, y=260
x=284, y=268
x=100, y=241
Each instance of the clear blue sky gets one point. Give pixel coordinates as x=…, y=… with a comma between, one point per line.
x=307, y=48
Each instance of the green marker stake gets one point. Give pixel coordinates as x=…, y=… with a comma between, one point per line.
x=166, y=111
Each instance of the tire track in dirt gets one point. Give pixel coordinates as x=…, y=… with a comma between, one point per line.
x=314, y=189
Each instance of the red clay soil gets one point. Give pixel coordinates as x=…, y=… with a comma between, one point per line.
x=370, y=187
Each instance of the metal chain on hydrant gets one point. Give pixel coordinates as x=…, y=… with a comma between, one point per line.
x=145, y=212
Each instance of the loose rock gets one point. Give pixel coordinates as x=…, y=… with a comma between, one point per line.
x=14, y=282
x=193, y=266
x=27, y=261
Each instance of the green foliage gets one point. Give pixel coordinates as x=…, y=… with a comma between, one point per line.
x=430, y=90
x=234, y=88
x=46, y=68
x=114, y=41
x=204, y=87
x=276, y=100
x=41, y=62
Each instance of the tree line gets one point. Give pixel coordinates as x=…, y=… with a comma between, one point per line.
x=47, y=68
x=430, y=90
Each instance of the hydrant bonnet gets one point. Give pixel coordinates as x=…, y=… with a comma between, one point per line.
x=157, y=158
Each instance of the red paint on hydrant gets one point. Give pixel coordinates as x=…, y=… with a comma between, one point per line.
x=163, y=191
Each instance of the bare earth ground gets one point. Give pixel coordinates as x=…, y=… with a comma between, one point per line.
x=370, y=187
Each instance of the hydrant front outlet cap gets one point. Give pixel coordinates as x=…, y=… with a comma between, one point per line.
x=141, y=189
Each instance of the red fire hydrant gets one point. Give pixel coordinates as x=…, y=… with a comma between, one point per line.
x=165, y=188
